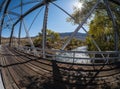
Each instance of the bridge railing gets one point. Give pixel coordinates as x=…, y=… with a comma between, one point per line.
x=81, y=57
x=84, y=57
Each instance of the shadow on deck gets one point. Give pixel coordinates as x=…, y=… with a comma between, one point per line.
x=59, y=75
x=76, y=79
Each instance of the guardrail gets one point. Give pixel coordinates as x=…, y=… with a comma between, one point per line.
x=80, y=57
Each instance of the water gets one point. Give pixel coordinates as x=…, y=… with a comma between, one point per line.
x=78, y=57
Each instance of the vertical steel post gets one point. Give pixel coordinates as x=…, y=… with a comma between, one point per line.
x=44, y=29
x=11, y=35
x=112, y=17
x=19, y=34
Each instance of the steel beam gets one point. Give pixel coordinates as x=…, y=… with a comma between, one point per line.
x=13, y=13
x=2, y=20
x=80, y=25
x=112, y=17
x=19, y=34
x=24, y=3
x=32, y=9
x=12, y=30
x=20, y=28
x=44, y=29
x=2, y=5
x=28, y=12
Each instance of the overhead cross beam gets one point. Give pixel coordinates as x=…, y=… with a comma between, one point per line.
x=13, y=13
x=32, y=9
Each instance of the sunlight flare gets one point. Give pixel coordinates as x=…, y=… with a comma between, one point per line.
x=78, y=5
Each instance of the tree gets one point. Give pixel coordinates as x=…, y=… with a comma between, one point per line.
x=102, y=32
x=100, y=27
x=74, y=43
x=79, y=13
x=52, y=39
x=53, y=36
x=38, y=41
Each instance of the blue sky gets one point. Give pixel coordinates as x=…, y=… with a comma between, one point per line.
x=56, y=18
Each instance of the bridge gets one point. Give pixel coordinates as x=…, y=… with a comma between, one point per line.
x=24, y=67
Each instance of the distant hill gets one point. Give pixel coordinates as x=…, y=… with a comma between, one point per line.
x=80, y=36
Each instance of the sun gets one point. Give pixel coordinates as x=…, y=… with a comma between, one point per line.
x=78, y=5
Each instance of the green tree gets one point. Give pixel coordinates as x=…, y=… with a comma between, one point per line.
x=74, y=43
x=53, y=36
x=100, y=27
x=54, y=41
x=102, y=32
x=79, y=13
x=38, y=41
x=51, y=41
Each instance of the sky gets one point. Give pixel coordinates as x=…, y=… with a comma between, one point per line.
x=56, y=18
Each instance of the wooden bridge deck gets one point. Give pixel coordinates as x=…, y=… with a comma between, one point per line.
x=22, y=71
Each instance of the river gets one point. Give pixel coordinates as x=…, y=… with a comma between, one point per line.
x=78, y=57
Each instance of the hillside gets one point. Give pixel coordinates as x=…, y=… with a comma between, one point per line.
x=80, y=36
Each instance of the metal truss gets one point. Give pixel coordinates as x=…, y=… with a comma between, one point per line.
x=8, y=11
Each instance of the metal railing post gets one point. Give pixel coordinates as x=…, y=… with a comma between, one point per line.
x=73, y=56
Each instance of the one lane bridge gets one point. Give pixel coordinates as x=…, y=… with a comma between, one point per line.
x=41, y=68
x=23, y=71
